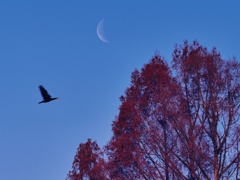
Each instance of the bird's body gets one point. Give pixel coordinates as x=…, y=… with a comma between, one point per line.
x=45, y=95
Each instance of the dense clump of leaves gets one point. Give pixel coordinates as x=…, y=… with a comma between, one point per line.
x=88, y=163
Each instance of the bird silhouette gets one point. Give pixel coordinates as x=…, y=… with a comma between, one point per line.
x=45, y=95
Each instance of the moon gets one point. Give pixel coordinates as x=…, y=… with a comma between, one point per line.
x=100, y=31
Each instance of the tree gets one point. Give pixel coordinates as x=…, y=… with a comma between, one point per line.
x=211, y=87
x=144, y=141
x=179, y=122
x=88, y=163
x=179, y=127
x=144, y=123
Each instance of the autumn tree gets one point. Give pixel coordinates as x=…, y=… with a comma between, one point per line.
x=179, y=122
x=144, y=142
x=211, y=88
x=88, y=163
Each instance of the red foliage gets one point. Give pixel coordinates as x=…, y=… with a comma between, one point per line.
x=88, y=163
x=179, y=123
x=141, y=131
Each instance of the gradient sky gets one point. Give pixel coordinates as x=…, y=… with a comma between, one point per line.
x=54, y=43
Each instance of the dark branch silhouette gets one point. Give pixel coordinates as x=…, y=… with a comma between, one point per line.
x=45, y=95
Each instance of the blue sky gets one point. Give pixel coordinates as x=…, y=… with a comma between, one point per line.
x=54, y=43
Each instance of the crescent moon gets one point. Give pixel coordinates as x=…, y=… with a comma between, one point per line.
x=100, y=31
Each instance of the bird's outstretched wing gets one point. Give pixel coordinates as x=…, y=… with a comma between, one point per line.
x=44, y=93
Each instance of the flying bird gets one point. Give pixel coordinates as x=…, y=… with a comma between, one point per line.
x=45, y=95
